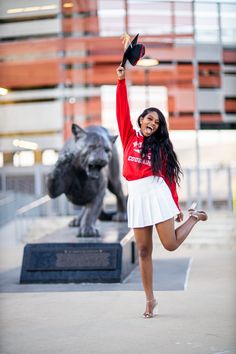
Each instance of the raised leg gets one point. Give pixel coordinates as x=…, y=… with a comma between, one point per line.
x=170, y=238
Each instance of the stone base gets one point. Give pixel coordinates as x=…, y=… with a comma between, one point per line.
x=63, y=258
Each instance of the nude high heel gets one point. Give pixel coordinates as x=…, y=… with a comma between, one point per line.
x=150, y=314
x=197, y=214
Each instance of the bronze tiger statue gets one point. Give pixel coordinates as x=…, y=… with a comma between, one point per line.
x=87, y=165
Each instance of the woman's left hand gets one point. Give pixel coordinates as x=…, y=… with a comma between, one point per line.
x=179, y=217
x=120, y=72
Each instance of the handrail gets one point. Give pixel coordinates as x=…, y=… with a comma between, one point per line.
x=33, y=205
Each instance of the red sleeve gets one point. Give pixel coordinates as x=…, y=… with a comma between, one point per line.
x=172, y=186
x=122, y=112
x=173, y=190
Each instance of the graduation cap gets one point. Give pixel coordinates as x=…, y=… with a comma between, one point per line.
x=133, y=52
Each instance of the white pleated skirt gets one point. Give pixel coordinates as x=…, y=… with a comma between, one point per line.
x=149, y=202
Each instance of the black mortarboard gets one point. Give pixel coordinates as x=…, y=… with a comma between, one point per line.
x=133, y=53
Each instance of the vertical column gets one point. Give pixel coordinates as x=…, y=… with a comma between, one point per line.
x=221, y=69
x=196, y=111
x=38, y=180
x=126, y=16
x=230, y=193
x=209, y=189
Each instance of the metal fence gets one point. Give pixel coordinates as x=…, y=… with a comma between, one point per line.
x=10, y=202
x=217, y=190
x=217, y=184
x=40, y=208
x=217, y=187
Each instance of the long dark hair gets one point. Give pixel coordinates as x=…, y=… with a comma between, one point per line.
x=163, y=157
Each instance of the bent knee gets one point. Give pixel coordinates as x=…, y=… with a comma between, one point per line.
x=170, y=246
x=144, y=252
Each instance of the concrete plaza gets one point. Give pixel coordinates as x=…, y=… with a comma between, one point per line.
x=106, y=318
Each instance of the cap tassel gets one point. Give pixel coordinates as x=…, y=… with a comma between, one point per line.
x=126, y=40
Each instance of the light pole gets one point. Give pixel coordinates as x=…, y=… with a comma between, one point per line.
x=147, y=62
x=3, y=92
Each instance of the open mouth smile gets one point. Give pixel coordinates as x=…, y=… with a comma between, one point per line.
x=149, y=130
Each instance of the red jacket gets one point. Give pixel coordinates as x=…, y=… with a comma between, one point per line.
x=132, y=140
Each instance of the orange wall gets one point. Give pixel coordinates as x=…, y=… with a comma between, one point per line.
x=92, y=61
x=31, y=74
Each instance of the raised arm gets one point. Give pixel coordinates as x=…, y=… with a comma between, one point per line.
x=122, y=108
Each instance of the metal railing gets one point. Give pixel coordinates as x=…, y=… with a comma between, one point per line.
x=217, y=185
x=42, y=207
x=217, y=190
x=10, y=202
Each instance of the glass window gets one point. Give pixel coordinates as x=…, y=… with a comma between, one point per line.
x=1, y=159
x=49, y=157
x=23, y=158
x=111, y=15
x=108, y=99
x=183, y=17
x=149, y=96
x=206, y=23
x=228, y=23
x=149, y=18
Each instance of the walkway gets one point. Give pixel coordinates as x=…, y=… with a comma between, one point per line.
x=96, y=318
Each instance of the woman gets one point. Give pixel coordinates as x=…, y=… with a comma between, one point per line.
x=152, y=170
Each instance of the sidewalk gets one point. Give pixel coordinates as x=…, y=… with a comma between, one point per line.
x=107, y=318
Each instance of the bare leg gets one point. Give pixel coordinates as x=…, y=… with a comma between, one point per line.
x=184, y=230
x=170, y=238
x=143, y=237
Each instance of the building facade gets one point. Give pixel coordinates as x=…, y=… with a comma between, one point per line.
x=58, y=61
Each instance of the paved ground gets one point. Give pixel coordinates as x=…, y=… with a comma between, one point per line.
x=200, y=319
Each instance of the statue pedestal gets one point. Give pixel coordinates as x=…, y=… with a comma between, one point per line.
x=63, y=258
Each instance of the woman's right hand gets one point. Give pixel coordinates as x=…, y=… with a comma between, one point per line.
x=120, y=72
